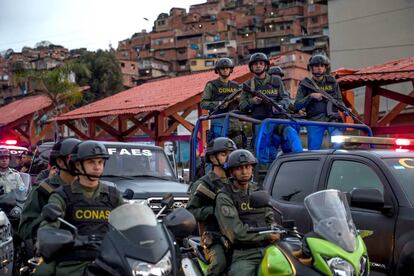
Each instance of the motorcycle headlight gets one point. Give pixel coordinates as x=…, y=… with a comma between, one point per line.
x=140, y=268
x=340, y=267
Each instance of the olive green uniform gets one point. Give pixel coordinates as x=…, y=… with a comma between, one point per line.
x=213, y=97
x=69, y=268
x=201, y=206
x=247, y=247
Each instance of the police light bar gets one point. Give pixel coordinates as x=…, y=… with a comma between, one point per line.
x=10, y=142
x=339, y=139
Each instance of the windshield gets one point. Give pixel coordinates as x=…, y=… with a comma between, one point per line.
x=127, y=216
x=331, y=218
x=403, y=171
x=137, y=161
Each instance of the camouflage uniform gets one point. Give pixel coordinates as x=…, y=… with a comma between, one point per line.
x=11, y=181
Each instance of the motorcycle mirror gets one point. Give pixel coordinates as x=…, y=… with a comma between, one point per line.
x=167, y=200
x=259, y=199
x=51, y=212
x=54, y=242
x=128, y=194
x=180, y=222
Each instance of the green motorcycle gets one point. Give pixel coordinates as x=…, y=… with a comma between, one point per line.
x=333, y=248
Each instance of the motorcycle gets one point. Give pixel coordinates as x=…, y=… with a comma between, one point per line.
x=135, y=244
x=333, y=248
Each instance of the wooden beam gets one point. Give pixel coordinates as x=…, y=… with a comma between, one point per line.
x=22, y=132
x=176, y=123
x=393, y=113
x=193, y=101
x=368, y=104
x=183, y=122
x=91, y=128
x=101, y=133
x=375, y=108
x=80, y=134
x=395, y=96
x=140, y=125
x=109, y=129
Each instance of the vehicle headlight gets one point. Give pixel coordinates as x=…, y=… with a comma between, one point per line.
x=340, y=267
x=138, y=201
x=140, y=268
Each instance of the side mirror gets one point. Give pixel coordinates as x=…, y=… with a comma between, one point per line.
x=260, y=199
x=54, y=242
x=51, y=212
x=367, y=198
x=180, y=222
x=128, y=194
x=167, y=200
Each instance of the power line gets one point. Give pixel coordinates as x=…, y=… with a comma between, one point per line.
x=375, y=47
x=370, y=15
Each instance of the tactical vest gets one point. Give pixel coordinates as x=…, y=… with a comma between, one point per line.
x=253, y=217
x=210, y=224
x=315, y=108
x=89, y=215
x=221, y=91
x=270, y=89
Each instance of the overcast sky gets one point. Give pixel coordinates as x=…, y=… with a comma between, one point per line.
x=78, y=23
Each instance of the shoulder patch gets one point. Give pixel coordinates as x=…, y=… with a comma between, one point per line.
x=227, y=211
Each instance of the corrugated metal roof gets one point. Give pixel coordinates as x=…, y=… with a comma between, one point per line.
x=21, y=108
x=151, y=96
x=392, y=71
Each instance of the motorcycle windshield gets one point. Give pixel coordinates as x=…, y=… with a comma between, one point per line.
x=331, y=218
x=127, y=216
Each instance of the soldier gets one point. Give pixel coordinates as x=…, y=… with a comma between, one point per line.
x=235, y=216
x=273, y=87
x=11, y=182
x=86, y=193
x=39, y=195
x=214, y=94
x=317, y=108
x=201, y=203
x=25, y=161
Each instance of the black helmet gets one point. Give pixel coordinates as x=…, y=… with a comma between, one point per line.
x=4, y=152
x=319, y=59
x=218, y=145
x=258, y=57
x=240, y=157
x=86, y=150
x=276, y=70
x=62, y=149
x=223, y=63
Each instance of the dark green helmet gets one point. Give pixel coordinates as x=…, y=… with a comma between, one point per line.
x=84, y=151
x=276, y=70
x=258, y=57
x=219, y=144
x=319, y=59
x=62, y=149
x=239, y=158
x=223, y=63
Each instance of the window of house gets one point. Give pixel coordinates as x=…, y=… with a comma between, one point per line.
x=209, y=63
x=314, y=20
x=132, y=66
x=292, y=186
x=161, y=53
x=311, y=8
x=122, y=64
x=346, y=175
x=193, y=63
x=161, y=22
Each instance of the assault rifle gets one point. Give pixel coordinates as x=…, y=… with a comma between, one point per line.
x=269, y=101
x=315, y=88
x=228, y=99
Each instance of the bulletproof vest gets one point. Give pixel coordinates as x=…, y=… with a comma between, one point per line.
x=253, y=217
x=315, y=107
x=89, y=215
x=270, y=89
x=210, y=224
x=221, y=91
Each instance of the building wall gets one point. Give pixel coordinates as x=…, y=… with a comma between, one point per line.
x=367, y=32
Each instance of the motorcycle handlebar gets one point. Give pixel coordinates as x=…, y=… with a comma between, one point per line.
x=265, y=230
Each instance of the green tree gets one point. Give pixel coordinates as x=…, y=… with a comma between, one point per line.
x=105, y=78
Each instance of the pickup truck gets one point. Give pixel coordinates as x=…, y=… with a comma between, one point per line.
x=142, y=168
x=380, y=185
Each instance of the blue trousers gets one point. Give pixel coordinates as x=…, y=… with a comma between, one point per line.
x=316, y=133
x=289, y=141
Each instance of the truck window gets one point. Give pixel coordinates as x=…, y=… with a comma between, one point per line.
x=346, y=175
x=295, y=180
